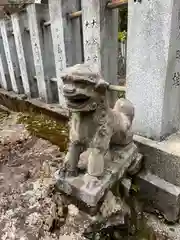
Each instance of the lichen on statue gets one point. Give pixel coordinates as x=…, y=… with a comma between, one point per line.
x=94, y=127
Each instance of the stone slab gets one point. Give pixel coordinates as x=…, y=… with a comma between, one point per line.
x=90, y=190
x=157, y=194
x=161, y=158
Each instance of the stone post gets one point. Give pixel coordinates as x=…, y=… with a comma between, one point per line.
x=153, y=67
x=100, y=38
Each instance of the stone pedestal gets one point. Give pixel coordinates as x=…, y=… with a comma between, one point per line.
x=153, y=66
x=158, y=194
x=160, y=179
x=90, y=190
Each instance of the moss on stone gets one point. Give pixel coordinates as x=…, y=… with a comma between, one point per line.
x=47, y=128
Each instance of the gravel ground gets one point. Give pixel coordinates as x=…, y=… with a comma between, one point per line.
x=29, y=206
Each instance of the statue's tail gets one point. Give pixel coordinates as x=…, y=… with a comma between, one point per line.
x=125, y=106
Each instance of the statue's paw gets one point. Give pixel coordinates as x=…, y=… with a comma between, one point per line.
x=96, y=163
x=71, y=173
x=67, y=171
x=83, y=161
x=62, y=172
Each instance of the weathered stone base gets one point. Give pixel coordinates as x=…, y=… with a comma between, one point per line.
x=161, y=158
x=160, y=188
x=158, y=194
x=90, y=190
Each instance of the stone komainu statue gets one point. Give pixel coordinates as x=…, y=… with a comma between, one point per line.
x=94, y=127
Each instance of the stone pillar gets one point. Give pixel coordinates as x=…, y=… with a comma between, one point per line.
x=100, y=36
x=100, y=39
x=153, y=66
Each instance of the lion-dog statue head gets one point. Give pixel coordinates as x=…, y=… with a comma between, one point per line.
x=84, y=88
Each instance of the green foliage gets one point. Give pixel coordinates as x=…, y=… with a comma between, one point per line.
x=122, y=36
x=121, y=94
x=47, y=128
x=135, y=188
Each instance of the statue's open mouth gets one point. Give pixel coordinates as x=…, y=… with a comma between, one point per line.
x=77, y=100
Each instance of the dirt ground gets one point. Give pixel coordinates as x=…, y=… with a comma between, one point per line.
x=29, y=206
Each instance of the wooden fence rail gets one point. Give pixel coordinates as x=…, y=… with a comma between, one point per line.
x=38, y=43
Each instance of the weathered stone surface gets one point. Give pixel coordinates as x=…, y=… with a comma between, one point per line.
x=95, y=163
x=110, y=205
x=161, y=158
x=158, y=194
x=113, y=214
x=73, y=210
x=71, y=236
x=8, y=7
x=94, y=127
x=100, y=137
x=91, y=189
x=162, y=230
x=126, y=184
x=153, y=66
x=136, y=165
x=113, y=205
